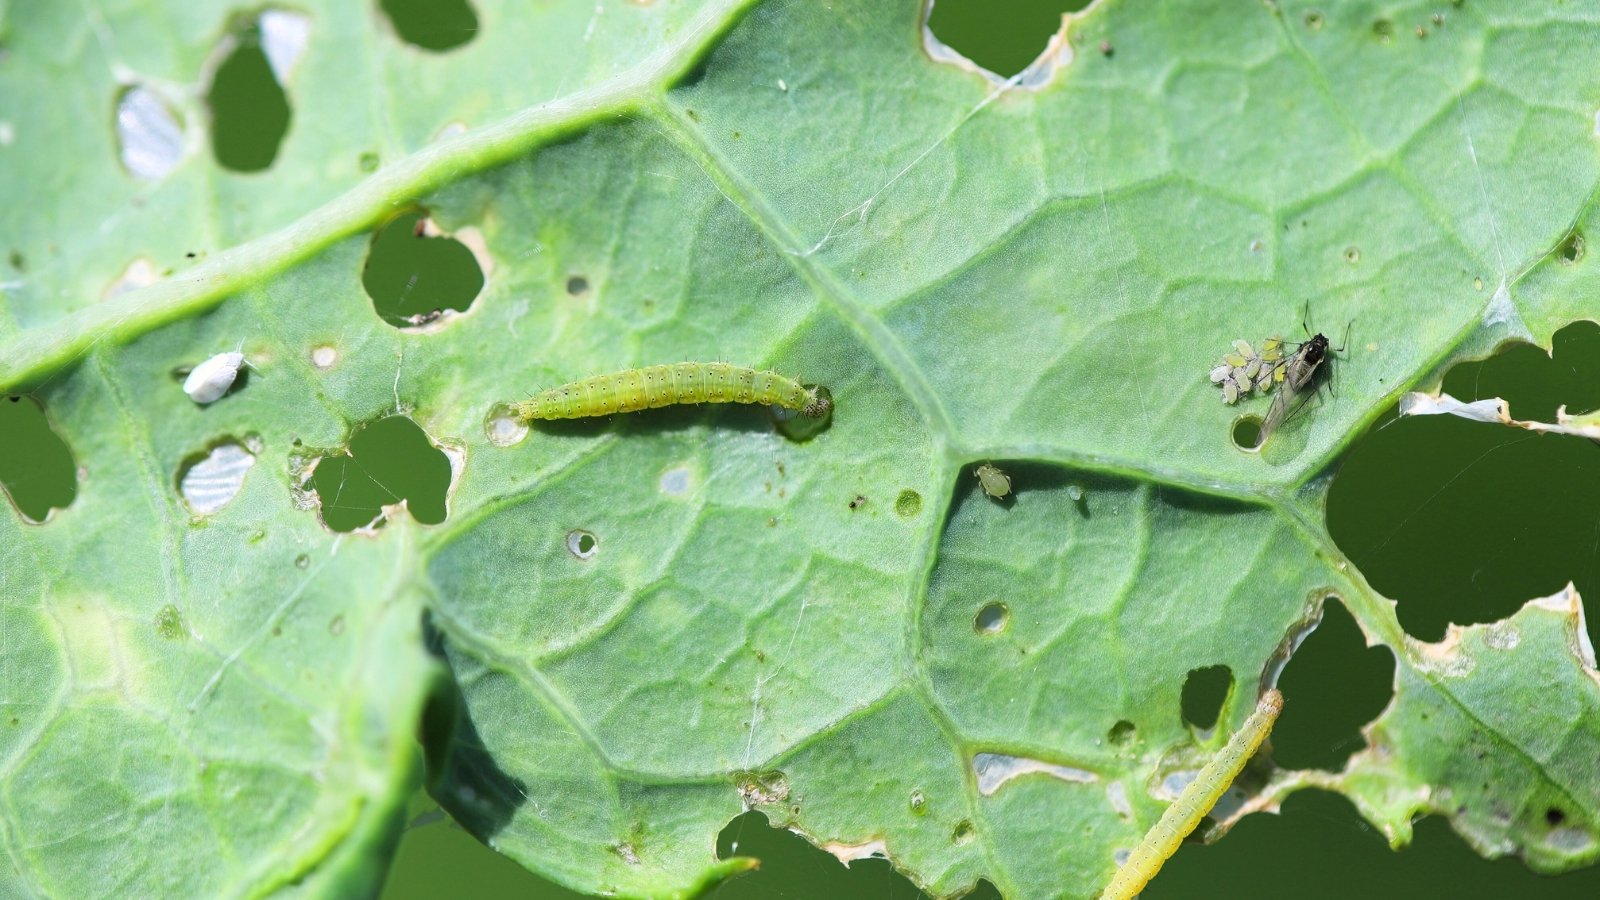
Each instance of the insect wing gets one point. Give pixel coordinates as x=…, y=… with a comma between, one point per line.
x=1294, y=377
x=212, y=378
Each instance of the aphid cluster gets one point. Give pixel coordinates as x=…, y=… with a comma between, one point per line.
x=655, y=386
x=1245, y=371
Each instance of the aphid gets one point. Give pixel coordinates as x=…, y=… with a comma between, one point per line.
x=1294, y=375
x=994, y=482
x=1163, y=838
x=656, y=386
x=211, y=379
x=1244, y=371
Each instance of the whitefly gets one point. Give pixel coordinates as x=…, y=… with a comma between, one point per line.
x=211, y=379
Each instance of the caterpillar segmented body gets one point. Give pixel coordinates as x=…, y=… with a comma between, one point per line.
x=656, y=386
x=1163, y=838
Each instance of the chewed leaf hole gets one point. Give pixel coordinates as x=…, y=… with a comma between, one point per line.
x=582, y=544
x=1246, y=433
x=1571, y=248
x=1122, y=733
x=992, y=618
x=386, y=462
x=210, y=480
x=791, y=866
x=963, y=833
x=36, y=467
x=1500, y=516
x=1204, y=692
x=577, y=285
x=413, y=275
x=149, y=134
x=1273, y=850
x=436, y=25
x=1005, y=44
x=249, y=109
x=1337, y=685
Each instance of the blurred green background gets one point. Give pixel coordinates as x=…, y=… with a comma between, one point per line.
x=1500, y=516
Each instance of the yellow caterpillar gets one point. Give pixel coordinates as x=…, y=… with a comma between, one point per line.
x=657, y=386
x=1163, y=838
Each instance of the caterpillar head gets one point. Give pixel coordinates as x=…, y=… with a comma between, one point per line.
x=818, y=403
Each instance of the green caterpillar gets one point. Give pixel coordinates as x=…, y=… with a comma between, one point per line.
x=666, y=385
x=1163, y=838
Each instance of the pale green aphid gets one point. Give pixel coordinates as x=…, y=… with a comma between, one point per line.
x=1163, y=838
x=1245, y=371
x=994, y=482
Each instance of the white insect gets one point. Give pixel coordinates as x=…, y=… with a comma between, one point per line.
x=211, y=379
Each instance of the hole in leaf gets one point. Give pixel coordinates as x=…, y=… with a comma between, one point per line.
x=582, y=544
x=1322, y=846
x=1003, y=36
x=577, y=285
x=36, y=467
x=1204, y=692
x=149, y=134
x=412, y=276
x=1554, y=816
x=792, y=867
x=1533, y=382
x=1336, y=685
x=386, y=462
x=1246, y=433
x=1571, y=249
x=1122, y=733
x=1464, y=521
x=992, y=618
x=436, y=25
x=249, y=109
